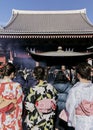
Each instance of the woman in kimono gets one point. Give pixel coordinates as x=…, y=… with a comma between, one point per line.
x=40, y=103
x=79, y=104
x=11, y=99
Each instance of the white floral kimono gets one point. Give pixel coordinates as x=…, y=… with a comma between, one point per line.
x=81, y=92
x=35, y=117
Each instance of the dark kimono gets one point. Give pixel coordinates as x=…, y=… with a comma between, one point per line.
x=36, y=119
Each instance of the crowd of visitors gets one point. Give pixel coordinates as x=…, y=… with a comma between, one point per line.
x=33, y=99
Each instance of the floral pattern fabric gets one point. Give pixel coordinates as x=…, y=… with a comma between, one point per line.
x=11, y=93
x=36, y=119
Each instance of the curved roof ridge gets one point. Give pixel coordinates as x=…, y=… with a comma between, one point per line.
x=14, y=11
x=86, y=19
x=12, y=18
x=50, y=22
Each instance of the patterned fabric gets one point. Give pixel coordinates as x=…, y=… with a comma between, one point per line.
x=11, y=98
x=35, y=117
x=79, y=93
x=45, y=105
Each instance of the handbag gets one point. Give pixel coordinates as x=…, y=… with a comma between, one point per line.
x=63, y=115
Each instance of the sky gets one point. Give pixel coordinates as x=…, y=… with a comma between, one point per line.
x=6, y=7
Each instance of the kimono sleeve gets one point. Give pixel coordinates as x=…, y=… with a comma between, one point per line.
x=30, y=102
x=33, y=116
x=20, y=98
x=70, y=107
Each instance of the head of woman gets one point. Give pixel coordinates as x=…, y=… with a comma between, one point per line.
x=9, y=70
x=39, y=72
x=61, y=78
x=83, y=70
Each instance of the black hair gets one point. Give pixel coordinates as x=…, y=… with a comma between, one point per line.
x=84, y=69
x=61, y=78
x=8, y=69
x=39, y=72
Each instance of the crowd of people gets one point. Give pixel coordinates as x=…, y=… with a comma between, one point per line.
x=33, y=99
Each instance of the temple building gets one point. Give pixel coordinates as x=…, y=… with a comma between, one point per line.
x=46, y=30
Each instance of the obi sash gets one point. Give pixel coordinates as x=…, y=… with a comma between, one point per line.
x=85, y=108
x=8, y=108
x=7, y=105
x=45, y=105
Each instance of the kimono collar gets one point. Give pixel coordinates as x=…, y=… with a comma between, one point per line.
x=41, y=82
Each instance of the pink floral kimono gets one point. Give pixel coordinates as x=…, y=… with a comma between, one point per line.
x=11, y=97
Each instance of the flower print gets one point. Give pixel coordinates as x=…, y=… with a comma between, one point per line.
x=50, y=87
x=40, y=90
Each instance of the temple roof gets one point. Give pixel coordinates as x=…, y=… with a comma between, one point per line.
x=30, y=23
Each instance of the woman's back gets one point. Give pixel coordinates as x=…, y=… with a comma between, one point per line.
x=42, y=98
x=11, y=97
x=79, y=104
x=62, y=85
